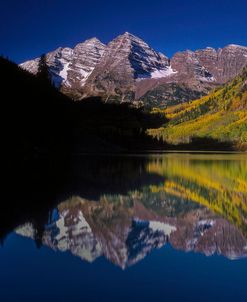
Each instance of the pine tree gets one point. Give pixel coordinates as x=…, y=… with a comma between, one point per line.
x=43, y=69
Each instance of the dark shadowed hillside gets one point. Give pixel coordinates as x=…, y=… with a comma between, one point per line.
x=35, y=114
x=39, y=119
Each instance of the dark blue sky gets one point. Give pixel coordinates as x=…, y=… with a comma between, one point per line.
x=29, y=28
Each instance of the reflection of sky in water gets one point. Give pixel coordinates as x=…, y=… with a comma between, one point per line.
x=157, y=233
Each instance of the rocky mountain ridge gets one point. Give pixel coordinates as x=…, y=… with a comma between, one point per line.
x=128, y=69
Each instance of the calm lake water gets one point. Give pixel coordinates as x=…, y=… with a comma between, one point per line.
x=169, y=227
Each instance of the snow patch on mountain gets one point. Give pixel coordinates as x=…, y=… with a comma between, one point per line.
x=64, y=72
x=163, y=73
x=165, y=228
x=209, y=78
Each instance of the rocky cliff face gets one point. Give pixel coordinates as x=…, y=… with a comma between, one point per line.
x=85, y=58
x=127, y=59
x=196, y=74
x=70, y=68
x=128, y=69
x=57, y=60
x=225, y=63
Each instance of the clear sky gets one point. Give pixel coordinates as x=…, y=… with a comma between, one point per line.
x=29, y=28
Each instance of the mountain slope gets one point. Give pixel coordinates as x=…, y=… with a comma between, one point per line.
x=222, y=115
x=70, y=68
x=126, y=59
x=197, y=72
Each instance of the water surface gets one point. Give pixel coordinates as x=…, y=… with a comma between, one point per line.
x=127, y=228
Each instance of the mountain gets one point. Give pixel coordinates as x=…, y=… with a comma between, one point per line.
x=221, y=115
x=70, y=68
x=128, y=69
x=127, y=59
x=197, y=72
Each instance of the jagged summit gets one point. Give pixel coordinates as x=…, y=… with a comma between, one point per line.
x=93, y=40
x=129, y=35
x=236, y=46
x=127, y=68
x=143, y=59
x=126, y=59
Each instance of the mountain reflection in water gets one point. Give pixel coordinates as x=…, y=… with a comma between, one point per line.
x=124, y=207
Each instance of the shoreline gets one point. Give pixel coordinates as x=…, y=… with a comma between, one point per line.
x=158, y=152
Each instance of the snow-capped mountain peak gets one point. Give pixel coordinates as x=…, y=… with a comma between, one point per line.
x=126, y=59
x=143, y=59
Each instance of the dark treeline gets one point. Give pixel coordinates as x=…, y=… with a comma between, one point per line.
x=40, y=119
x=33, y=112
x=204, y=144
x=113, y=127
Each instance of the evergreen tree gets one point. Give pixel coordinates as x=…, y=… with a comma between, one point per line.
x=43, y=69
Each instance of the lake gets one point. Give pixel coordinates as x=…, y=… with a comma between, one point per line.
x=159, y=227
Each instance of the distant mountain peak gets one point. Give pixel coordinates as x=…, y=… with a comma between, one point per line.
x=128, y=34
x=210, y=48
x=128, y=37
x=93, y=40
x=236, y=46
